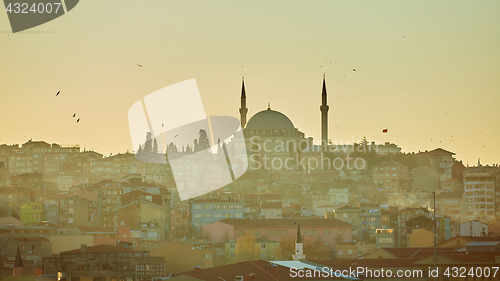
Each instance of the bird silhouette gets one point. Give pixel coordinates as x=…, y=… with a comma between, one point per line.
x=78, y=120
x=176, y=136
x=74, y=114
x=353, y=69
x=58, y=93
x=139, y=65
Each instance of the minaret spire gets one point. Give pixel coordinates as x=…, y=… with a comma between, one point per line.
x=299, y=236
x=243, y=109
x=324, y=116
x=299, y=248
x=17, y=270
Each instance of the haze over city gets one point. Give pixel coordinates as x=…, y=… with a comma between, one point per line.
x=428, y=72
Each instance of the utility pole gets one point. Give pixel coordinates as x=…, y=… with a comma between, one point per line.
x=435, y=234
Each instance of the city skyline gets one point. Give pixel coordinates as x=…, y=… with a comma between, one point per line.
x=427, y=74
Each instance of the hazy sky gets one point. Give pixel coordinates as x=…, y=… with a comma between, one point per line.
x=428, y=71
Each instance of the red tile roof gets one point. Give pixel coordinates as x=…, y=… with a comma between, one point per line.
x=214, y=200
x=91, y=229
x=30, y=239
x=286, y=223
x=262, y=270
x=466, y=258
x=370, y=263
x=402, y=253
x=271, y=205
x=102, y=249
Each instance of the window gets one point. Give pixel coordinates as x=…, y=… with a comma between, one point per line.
x=207, y=206
x=340, y=252
x=197, y=207
x=270, y=232
x=232, y=246
x=327, y=232
x=263, y=246
x=238, y=215
x=277, y=232
x=218, y=215
x=197, y=216
x=313, y=232
x=227, y=216
x=285, y=232
x=385, y=240
x=208, y=215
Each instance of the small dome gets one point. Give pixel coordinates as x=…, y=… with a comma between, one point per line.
x=269, y=119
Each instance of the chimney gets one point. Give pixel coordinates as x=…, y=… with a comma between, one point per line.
x=84, y=248
x=273, y=268
x=238, y=278
x=251, y=276
x=196, y=268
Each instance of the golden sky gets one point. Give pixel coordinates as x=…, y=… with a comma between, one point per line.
x=428, y=71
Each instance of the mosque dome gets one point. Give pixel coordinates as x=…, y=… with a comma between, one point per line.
x=269, y=119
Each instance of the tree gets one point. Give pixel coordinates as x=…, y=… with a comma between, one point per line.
x=225, y=237
x=245, y=247
x=148, y=145
x=286, y=248
x=155, y=147
x=203, y=142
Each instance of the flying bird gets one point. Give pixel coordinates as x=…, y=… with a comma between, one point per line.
x=176, y=135
x=74, y=114
x=162, y=124
x=353, y=69
x=294, y=222
x=58, y=93
x=78, y=120
x=139, y=65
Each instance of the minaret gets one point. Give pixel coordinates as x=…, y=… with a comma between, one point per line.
x=299, y=250
x=18, y=264
x=324, y=117
x=243, y=109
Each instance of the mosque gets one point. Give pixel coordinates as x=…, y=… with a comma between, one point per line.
x=274, y=142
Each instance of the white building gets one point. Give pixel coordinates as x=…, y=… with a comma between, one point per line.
x=473, y=228
x=339, y=196
x=479, y=193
